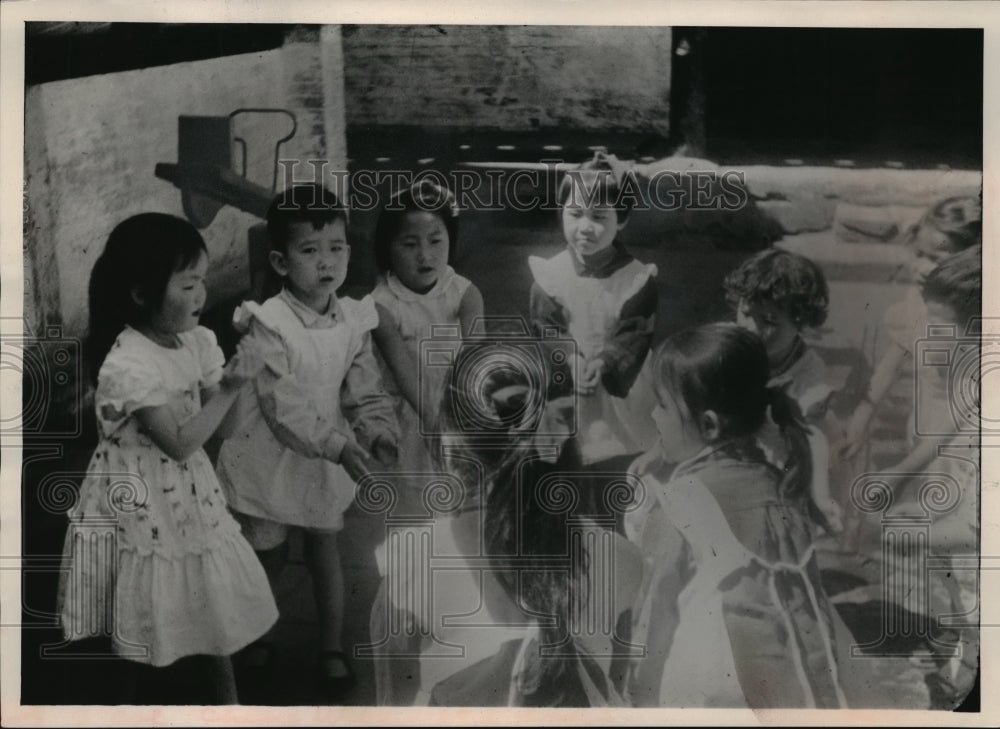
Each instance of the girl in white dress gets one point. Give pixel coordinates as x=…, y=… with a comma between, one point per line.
x=153, y=558
x=418, y=295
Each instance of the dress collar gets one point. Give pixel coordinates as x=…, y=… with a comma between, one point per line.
x=401, y=291
x=795, y=353
x=309, y=317
x=601, y=264
x=742, y=448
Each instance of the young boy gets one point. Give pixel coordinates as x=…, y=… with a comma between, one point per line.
x=300, y=446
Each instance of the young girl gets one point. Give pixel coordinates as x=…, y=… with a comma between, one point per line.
x=597, y=294
x=536, y=588
x=732, y=612
x=180, y=579
x=317, y=414
x=945, y=441
x=777, y=294
x=950, y=226
x=416, y=239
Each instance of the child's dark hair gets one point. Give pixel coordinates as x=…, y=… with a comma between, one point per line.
x=958, y=282
x=140, y=256
x=425, y=195
x=602, y=181
x=959, y=219
x=724, y=368
x=307, y=203
x=791, y=282
x=521, y=523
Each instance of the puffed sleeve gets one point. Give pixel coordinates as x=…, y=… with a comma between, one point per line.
x=363, y=398
x=128, y=380
x=209, y=355
x=287, y=404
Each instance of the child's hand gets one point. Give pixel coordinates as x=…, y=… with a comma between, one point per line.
x=242, y=366
x=355, y=461
x=590, y=377
x=385, y=451
x=857, y=428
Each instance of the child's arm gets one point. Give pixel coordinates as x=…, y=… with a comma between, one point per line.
x=920, y=457
x=470, y=309
x=290, y=408
x=626, y=349
x=398, y=357
x=882, y=379
x=368, y=406
x=181, y=440
x=819, y=451
x=546, y=313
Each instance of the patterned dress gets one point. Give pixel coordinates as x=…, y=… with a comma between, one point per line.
x=153, y=559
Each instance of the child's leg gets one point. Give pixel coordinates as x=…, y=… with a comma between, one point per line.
x=323, y=560
x=223, y=680
x=270, y=543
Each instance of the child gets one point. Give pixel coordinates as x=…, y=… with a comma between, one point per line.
x=732, y=612
x=184, y=581
x=535, y=608
x=597, y=294
x=946, y=443
x=951, y=226
x=777, y=294
x=416, y=239
x=295, y=456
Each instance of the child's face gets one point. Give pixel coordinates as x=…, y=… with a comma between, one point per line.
x=183, y=299
x=679, y=440
x=771, y=323
x=930, y=247
x=418, y=254
x=314, y=264
x=588, y=228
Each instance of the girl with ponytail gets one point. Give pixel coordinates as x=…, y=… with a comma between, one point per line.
x=178, y=580
x=731, y=612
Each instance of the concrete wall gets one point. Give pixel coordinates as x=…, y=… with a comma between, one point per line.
x=513, y=78
x=91, y=146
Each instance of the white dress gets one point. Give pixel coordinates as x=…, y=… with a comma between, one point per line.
x=608, y=426
x=415, y=316
x=153, y=558
x=436, y=618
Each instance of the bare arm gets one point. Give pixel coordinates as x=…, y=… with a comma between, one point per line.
x=882, y=379
x=181, y=440
x=470, y=309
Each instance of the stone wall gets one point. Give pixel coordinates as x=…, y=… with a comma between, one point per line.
x=514, y=78
x=92, y=144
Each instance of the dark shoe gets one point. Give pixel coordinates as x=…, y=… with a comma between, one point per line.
x=335, y=687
